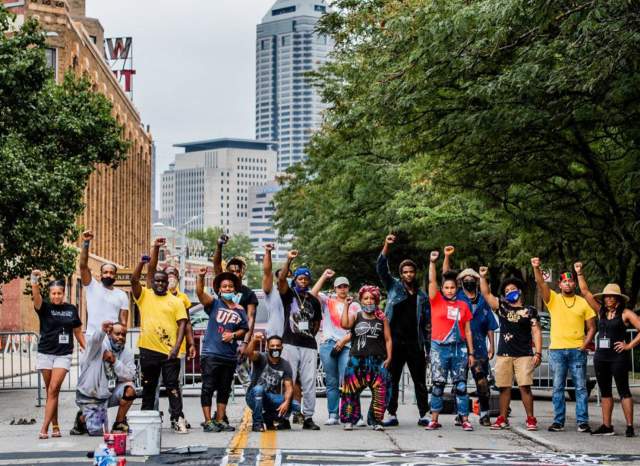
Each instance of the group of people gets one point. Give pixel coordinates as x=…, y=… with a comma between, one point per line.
x=451, y=325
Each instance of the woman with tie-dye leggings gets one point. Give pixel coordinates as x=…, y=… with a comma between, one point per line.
x=369, y=358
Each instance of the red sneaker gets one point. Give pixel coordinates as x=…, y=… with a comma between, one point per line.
x=433, y=425
x=466, y=425
x=532, y=423
x=501, y=423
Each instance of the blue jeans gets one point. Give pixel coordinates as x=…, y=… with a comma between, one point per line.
x=265, y=405
x=449, y=359
x=574, y=361
x=334, y=374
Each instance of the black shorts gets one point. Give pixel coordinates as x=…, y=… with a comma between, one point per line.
x=217, y=376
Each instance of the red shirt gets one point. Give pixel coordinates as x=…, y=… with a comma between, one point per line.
x=444, y=314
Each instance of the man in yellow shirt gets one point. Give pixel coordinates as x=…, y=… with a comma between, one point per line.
x=162, y=324
x=570, y=314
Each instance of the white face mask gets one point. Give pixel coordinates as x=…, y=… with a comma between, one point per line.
x=173, y=283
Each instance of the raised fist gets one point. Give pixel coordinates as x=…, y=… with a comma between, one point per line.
x=434, y=256
x=36, y=273
x=269, y=247
x=292, y=254
x=202, y=271
x=107, y=326
x=535, y=262
x=484, y=271
x=328, y=273
x=87, y=235
x=159, y=242
x=578, y=267
x=224, y=239
x=390, y=239
x=258, y=337
x=449, y=250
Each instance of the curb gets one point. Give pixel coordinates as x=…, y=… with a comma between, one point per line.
x=530, y=435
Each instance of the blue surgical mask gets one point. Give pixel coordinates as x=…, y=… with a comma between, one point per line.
x=369, y=308
x=228, y=296
x=116, y=347
x=513, y=296
x=300, y=289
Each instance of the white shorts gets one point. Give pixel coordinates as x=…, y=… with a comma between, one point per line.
x=53, y=361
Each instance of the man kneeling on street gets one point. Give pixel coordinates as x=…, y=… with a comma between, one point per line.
x=106, y=377
x=270, y=395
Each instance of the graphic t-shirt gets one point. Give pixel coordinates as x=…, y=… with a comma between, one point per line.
x=367, y=336
x=301, y=312
x=103, y=304
x=483, y=321
x=269, y=375
x=404, y=321
x=515, y=329
x=222, y=319
x=57, y=322
x=568, y=317
x=448, y=319
x=159, y=316
x=332, y=310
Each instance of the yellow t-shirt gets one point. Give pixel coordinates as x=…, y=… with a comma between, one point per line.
x=158, y=320
x=568, y=317
x=187, y=304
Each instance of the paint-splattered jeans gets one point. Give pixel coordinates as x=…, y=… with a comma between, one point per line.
x=449, y=359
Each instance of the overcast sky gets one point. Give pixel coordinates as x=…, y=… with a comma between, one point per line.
x=194, y=62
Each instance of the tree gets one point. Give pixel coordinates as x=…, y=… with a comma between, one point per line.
x=52, y=137
x=237, y=246
x=509, y=127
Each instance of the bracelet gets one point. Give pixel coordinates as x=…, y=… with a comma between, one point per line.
x=538, y=354
x=86, y=243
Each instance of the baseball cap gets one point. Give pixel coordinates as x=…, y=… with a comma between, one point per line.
x=341, y=281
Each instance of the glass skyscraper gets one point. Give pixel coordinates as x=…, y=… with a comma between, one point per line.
x=288, y=108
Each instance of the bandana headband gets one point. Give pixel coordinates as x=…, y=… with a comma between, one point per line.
x=567, y=276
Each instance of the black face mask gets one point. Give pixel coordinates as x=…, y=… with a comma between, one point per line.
x=108, y=281
x=469, y=286
x=275, y=353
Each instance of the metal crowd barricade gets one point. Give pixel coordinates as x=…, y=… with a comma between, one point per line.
x=19, y=353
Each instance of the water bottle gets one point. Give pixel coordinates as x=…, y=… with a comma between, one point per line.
x=100, y=454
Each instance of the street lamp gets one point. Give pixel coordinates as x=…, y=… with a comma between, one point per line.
x=183, y=251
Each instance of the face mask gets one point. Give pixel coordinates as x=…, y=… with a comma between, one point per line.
x=173, y=283
x=274, y=353
x=290, y=281
x=115, y=346
x=369, y=308
x=300, y=289
x=108, y=281
x=229, y=297
x=469, y=286
x=513, y=296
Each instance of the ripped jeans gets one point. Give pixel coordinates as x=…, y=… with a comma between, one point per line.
x=449, y=359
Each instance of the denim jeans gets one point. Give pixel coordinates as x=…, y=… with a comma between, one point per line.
x=449, y=359
x=574, y=361
x=264, y=405
x=334, y=374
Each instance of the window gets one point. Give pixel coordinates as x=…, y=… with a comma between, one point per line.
x=51, y=55
x=283, y=11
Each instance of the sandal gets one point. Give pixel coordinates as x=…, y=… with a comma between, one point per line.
x=55, y=428
x=42, y=436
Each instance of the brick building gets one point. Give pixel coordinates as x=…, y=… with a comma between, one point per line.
x=118, y=202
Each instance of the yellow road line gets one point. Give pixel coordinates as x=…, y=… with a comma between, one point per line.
x=239, y=441
x=268, y=442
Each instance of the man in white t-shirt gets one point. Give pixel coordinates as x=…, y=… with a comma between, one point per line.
x=104, y=302
x=275, y=309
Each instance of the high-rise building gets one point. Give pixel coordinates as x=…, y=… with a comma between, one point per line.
x=208, y=185
x=288, y=108
x=261, y=228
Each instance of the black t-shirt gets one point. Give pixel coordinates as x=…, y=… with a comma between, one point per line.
x=248, y=297
x=404, y=323
x=367, y=337
x=301, y=312
x=56, y=328
x=515, y=329
x=269, y=375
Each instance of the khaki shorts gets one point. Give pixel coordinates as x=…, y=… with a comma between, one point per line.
x=507, y=366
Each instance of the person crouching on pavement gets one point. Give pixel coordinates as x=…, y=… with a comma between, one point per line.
x=369, y=360
x=270, y=394
x=227, y=325
x=107, y=370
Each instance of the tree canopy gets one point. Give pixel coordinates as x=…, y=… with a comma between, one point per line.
x=507, y=128
x=52, y=137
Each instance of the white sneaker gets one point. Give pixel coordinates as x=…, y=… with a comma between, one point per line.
x=378, y=427
x=332, y=421
x=348, y=426
x=361, y=423
x=180, y=426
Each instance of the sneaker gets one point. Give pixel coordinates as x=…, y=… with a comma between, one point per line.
x=584, y=428
x=332, y=421
x=555, y=427
x=466, y=425
x=604, y=430
x=120, y=427
x=298, y=418
x=79, y=427
x=433, y=425
x=629, y=432
x=458, y=421
x=391, y=421
x=269, y=425
x=179, y=426
x=501, y=423
x=308, y=424
x=257, y=427
x=485, y=421
x=225, y=427
x=378, y=427
x=423, y=421
x=284, y=425
x=348, y=426
x=211, y=426
x=361, y=423
x=532, y=423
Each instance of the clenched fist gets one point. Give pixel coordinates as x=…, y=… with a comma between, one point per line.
x=434, y=256
x=390, y=239
x=449, y=250
x=484, y=271
x=87, y=235
x=535, y=262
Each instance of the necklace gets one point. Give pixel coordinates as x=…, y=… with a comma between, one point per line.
x=565, y=302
